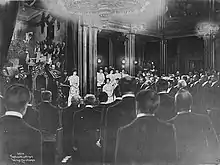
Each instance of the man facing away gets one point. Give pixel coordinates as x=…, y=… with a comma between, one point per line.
x=197, y=141
x=86, y=133
x=19, y=141
x=146, y=139
x=48, y=114
x=166, y=110
x=119, y=115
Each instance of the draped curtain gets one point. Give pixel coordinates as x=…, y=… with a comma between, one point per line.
x=8, y=15
x=72, y=46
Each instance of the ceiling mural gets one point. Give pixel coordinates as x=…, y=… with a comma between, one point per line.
x=139, y=16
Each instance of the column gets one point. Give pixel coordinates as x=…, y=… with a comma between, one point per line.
x=209, y=41
x=163, y=56
x=209, y=52
x=80, y=58
x=110, y=54
x=130, y=54
x=8, y=17
x=84, y=60
x=92, y=63
x=163, y=42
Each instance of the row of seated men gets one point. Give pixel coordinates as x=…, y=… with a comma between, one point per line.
x=129, y=131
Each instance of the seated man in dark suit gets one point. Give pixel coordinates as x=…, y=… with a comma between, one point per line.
x=146, y=139
x=67, y=123
x=166, y=110
x=18, y=139
x=196, y=139
x=49, y=114
x=119, y=115
x=86, y=134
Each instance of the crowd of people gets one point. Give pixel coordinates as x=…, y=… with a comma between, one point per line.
x=133, y=120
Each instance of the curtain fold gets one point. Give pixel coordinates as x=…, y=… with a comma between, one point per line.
x=72, y=46
x=8, y=15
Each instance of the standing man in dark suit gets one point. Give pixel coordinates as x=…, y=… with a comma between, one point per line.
x=119, y=115
x=19, y=141
x=49, y=123
x=49, y=114
x=146, y=139
x=67, y=123
x=86, y=134
x=166, y=110
x=197, y=141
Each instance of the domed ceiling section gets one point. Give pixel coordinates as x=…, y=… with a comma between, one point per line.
x=181, y=16
x=130, y=13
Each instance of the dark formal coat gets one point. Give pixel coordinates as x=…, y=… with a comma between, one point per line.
x=215, y=116
x=49, y=117
x=86, y=136
x=18, y=139
x=173, y=91
x=166, y=111
x=67, y=124
x=117, y=116
x=116, y=101
x=146, y=140
x=197, y=93
x=206, y=96
x=215, y=93
x=196, y=139
x=32, y=117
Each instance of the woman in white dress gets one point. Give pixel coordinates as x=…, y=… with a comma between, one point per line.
x=109, y=88
x=74, y=86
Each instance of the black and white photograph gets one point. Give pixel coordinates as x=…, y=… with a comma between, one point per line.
x=109, y=82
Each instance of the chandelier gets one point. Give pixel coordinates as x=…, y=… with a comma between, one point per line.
x=207, y=29
x=137, y=27
x=103, y=9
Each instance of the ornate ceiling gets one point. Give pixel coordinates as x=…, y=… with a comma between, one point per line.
x=181, y=16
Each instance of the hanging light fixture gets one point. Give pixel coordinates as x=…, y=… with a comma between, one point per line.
x=207, y=29
x=103, y=8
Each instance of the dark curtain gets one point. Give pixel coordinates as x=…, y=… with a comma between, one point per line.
x=8, y=15
x=72, y=46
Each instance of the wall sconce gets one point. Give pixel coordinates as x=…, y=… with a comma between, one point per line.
x=135, y=62
x=99, y=61
x=123, y=61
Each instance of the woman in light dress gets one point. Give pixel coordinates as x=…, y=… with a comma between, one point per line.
x=74, y=86
x=109, y=88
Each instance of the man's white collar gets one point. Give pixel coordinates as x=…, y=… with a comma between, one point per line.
x=144, y=114
x=128, y=95
x=14, y=113
x=183, y=112
x=89, y=106
x=163, y=92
